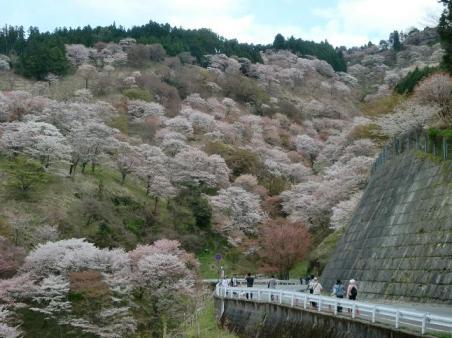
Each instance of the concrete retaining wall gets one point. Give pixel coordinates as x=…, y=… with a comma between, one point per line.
x=399, y=242
x=261, y=320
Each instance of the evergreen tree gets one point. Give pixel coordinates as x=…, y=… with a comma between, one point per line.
x=445, y=32
x=394, y=40
x=43, y=54
x=279, y=42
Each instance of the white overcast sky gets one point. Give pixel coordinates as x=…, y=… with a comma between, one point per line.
x=341, y=22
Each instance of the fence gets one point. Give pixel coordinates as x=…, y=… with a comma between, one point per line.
x=398, y=318
x=291, y=284
x=421, y=140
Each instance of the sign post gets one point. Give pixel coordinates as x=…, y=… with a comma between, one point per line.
x=219, y=268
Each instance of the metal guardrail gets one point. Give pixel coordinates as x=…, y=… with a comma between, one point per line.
x=373, y=313
x=440, y=146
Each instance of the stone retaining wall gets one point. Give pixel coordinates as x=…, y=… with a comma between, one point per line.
x=261, y=320
x=399, y=242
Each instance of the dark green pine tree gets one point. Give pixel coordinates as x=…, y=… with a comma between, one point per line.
x=445, y=33
x=43, y=54
x=394, y=39
x=279, y=42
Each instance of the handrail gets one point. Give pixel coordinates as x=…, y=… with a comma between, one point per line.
x=410, y=319
x=262, y=281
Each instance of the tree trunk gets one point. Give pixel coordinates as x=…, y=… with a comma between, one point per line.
x=156, y=202
x=73, y=167
x=83, y=167
x=148, y=188
x=123, y=178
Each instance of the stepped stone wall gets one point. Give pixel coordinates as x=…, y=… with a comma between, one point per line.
x=399, y=242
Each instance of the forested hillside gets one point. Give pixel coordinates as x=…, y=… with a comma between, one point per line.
x=38, y=53
x=121, y=179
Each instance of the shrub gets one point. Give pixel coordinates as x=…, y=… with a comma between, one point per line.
x=245, y=90
x=410, y=81
x=384, y=105
x=137, y=94
x=192, y=198
x=156, y=52
x=274, y=184
x=168, y=95
x=138, y=55
x=240, y=161
x=25, y=174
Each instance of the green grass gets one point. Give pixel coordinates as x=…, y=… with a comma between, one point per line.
x=206, y=325
x=299, y=270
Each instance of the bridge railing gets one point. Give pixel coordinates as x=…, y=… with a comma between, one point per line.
x=398, y=318
x=262, y=281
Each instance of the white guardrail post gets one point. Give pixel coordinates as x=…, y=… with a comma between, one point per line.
x=421, y=321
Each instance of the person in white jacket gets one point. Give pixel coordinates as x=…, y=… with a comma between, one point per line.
x=315, y=288
x=224, y=282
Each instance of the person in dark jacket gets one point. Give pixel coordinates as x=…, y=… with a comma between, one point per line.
x=338, y=291
x=249, y=284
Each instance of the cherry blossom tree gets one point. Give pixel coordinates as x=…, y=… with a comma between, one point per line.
x=127, y=159
x=238, y=210
x=78, y=54
x=283, y=244
x=164, y=280
x=407, y=117
x=307, y=145
x=181, y=125
x=343, y=212
x=153, y=163
x=6, y=330
x=73, y=255
x=40, y=140
x=140, y=109
x=87, y=72
x=437, y=90
x=88, y=143
x=193, y=165
x=201, y=122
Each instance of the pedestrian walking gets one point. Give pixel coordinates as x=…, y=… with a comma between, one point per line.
x=234, y=281
x=352, y=292
x=224, y=282
x=315, y=288
x=272, y=283
x=338, y=291
x=249, y=284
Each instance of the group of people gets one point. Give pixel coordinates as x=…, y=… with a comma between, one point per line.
x=314, y=287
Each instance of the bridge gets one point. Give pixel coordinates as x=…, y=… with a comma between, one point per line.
x=381, y=316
